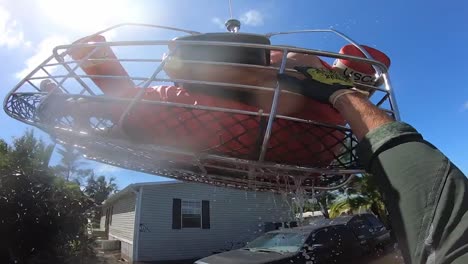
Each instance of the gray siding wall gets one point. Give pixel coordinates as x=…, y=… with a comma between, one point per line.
x=123, y=221
x=236, y=216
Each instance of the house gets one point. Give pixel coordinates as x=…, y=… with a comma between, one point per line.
x=172, y=220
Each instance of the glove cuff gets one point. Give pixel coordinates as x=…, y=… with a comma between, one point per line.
x=336, y=95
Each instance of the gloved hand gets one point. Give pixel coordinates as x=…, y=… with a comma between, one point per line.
x=320, y=84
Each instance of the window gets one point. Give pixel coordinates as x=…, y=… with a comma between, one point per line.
x=360, y=228
x=191, y=214
x=324, y=237
x=375, y=223
x=346, y=238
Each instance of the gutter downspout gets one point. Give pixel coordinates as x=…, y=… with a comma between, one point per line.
x=136, y=227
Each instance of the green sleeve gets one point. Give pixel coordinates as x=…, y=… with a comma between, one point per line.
x=425, y=194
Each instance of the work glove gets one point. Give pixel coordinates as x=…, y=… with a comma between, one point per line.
x=322, y=85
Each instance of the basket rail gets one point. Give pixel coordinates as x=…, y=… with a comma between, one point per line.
x=25, y=101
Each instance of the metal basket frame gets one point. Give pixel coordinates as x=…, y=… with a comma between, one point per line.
x=241, y=173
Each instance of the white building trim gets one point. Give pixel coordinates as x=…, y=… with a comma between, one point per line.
x=121, y=239
x=136, y=229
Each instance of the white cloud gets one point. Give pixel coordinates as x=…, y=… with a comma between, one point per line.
x=465, y=106
x=11, y=34
x=105, y=169
x=42, y=52
x=252, y=18
x=217, y=21
x=89, y=16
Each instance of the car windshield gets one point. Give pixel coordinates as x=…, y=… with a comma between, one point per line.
x=279, y=242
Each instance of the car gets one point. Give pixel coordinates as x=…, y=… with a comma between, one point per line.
x=369, y=230
x=339, y=240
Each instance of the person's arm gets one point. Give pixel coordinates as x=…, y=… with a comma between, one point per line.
x=425, y=194
x=361, y=114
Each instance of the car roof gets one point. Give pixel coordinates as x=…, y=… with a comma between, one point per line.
x=315, y=225
x=344, y=219
x=320, y=223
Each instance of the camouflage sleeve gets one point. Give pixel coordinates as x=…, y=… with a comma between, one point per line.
x=425, y=194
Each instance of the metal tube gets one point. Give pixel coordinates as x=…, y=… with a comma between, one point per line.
x=49, y=76
x=273, y=186
x=71, y=73
x=75, y=76
x=140, y=93
x=381, y=66
x=346, y=182
x=260, y=88
x=235, y=161
x=102, y=60
x=273, y=109
x=378, y=72
x=208, y=108
x=34, y=86
x=392, y=98
x=381, y=101
x=145, y=25
x=17, y=86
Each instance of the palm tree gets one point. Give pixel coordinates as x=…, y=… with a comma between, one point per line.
x=99, y=189
x=323, y=201
x=361, y=195
x=350, y=203
x=70, y=164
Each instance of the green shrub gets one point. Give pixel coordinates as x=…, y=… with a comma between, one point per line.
x=43, y=217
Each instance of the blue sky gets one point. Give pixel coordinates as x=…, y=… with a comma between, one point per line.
x=426, y=40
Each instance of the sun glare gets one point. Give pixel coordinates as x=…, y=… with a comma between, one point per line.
x=88, y=16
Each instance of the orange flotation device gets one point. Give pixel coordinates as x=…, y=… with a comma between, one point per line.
x=102, y=61
x=357, y=71
x=219, y=132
